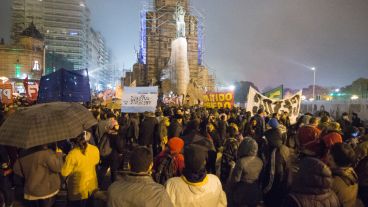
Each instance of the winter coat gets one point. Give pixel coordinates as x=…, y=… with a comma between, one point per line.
x=40, y=170
x=175, y=129
x=137, y=191
x=248, y=166
x=229, y=158
x=243, y=194
x=100, y=129
x=356, y=122
x=362, y=171
x=276, y=174
x=133, y=131
x=276, y=136
x=80, y=170
x=178, y=161
x=222, y=129
x=345, y=185
x=206, y=193
x=244, y=188
x=260, y=127
x=362, y=148
x=217, y=141
x=312, y=186
x=148, y=131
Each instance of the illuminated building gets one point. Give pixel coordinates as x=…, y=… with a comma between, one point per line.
x=24, y=58
x=65, y=25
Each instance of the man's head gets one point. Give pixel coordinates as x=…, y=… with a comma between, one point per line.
x=345, y=116
x=325, y=119
x=195, y=158
x=261, y=112
x=141, y=160
x=314, y=121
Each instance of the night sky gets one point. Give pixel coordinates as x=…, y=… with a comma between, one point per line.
x=269, y=42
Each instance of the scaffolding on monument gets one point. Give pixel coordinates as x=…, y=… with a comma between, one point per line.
x=142, y=56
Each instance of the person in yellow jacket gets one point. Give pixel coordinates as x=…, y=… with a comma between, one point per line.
x=80, y=170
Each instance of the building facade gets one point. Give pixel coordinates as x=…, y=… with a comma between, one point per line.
x=158, y=30
x=99, y=61
x=24, y=58
x=65, y=25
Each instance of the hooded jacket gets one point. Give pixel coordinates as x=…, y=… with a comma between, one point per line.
x=81, y=172
x=249, y=166
x=345, y=185
x=206, y=193
x=244, y=188
x=312, y=186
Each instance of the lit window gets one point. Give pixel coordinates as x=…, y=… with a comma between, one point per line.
x=36, y=65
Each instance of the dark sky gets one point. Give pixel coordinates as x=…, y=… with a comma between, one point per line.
x=269, y=42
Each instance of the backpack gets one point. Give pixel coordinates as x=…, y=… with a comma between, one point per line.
x=166, y=169
x=104, y=146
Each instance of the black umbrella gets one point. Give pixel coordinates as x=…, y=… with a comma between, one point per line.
x=45, y=123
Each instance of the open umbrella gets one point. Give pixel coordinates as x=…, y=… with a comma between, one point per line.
x=45, y=123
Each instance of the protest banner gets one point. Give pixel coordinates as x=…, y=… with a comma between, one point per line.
x=218, y=99
x=291, y=105
x=32, y=91
x=173, y=100
x=6, y=91
x=139, y=99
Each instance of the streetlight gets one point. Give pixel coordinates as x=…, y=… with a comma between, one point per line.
x=314, y=81
x=232, y=87
x=354, y=97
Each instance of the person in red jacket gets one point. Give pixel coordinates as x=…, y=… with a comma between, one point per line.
x=169, y=163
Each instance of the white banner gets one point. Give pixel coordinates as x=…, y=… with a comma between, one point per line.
x=291, y=105
x=139, y=99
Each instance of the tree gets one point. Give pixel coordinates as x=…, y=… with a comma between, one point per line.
x=55, y=61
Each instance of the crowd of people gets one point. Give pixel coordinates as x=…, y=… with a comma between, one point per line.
x=192, y=156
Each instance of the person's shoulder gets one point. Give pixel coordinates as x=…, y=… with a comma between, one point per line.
x=174, y=182
x=92, y=147
x=116, y=186
x=213, y=178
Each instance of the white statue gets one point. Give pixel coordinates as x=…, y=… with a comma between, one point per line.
x=179, y=17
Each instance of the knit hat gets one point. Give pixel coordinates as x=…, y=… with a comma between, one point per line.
x=273, y=123
x=343, y=154
x=248, y=147
x=176, y=145
x=306, y=119
x=195, y=158
x=308, y=137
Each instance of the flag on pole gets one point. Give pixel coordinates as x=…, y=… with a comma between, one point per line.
x=276, y=93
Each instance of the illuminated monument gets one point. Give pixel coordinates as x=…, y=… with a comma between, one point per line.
x=171, y=49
